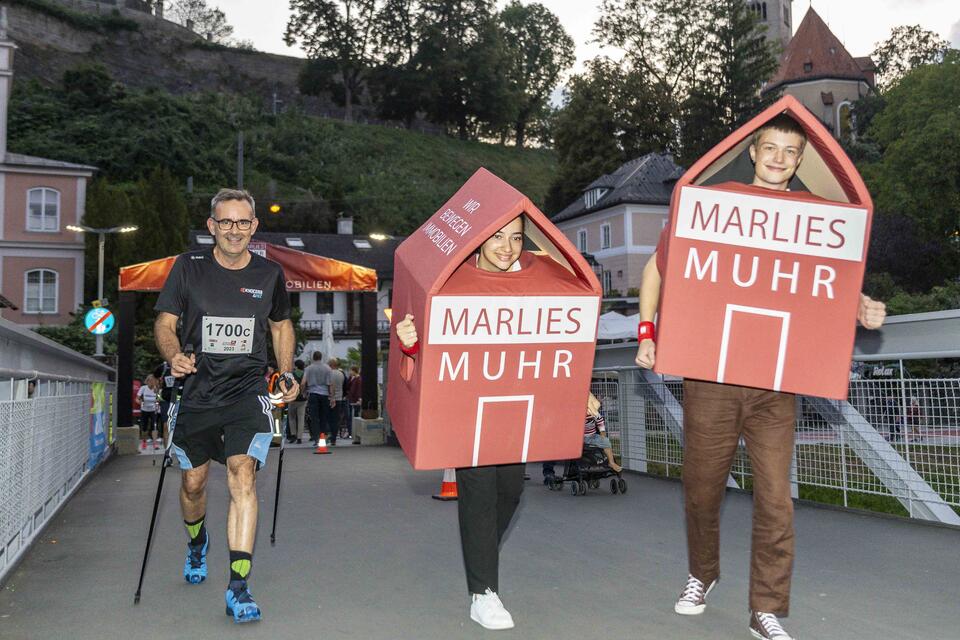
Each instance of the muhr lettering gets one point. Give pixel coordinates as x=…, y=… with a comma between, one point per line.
x=495, y=365
x=783, y=272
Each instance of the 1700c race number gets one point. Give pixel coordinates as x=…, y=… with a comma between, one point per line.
x=227, y=335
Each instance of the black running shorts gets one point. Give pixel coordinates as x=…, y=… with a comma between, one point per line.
x=242, y=428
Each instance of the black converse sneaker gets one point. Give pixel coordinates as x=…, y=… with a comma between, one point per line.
x=765, y=626
x=693, y=598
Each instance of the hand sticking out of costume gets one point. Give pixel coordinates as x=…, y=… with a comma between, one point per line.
x=646, y=354
x=593, y=406
x=871, y=313
x=407, y=334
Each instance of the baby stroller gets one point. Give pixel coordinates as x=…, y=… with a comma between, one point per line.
x=588, y=471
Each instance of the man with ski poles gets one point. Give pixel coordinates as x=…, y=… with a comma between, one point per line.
x=225, y=299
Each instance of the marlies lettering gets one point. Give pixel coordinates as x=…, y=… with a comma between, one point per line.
x=755, y=223
x=500, y=322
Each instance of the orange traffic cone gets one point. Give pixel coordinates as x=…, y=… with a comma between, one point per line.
x=448, y=488
x=322, y=444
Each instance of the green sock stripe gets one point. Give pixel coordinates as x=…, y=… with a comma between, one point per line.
x=194, y=529
x=240, y=567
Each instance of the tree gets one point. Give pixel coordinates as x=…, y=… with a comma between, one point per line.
x=915, y=180
x=918, y=133
x=538, y=51
x=209, y=23
x=907, y=47
x=611, y=114
x=341, y=31
x=726, y=93
x=460, y=57
x=663, y=39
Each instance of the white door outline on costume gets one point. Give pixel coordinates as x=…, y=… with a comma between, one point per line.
x=481, y=401
x=759, y=311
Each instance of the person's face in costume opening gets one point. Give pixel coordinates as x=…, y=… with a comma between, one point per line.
x=503, y=248
x=776, y=157
x=232, y=242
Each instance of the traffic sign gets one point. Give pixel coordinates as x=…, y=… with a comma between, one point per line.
x=99, y=321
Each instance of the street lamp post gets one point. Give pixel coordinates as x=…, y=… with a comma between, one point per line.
x=101, y=241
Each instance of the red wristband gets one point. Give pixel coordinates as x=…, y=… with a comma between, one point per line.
x=646, y=331
x=410, y=351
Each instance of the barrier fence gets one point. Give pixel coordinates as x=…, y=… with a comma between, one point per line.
x=53, y=431
x=893, y=446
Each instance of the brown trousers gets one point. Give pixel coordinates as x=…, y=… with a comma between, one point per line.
x=715, y=416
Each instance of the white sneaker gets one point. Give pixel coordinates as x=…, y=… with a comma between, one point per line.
x=487, y=611
x=693, y=598
x=765, y=626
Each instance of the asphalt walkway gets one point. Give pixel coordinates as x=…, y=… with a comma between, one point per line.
x=363, y=552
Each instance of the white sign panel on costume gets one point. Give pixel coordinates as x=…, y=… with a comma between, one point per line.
x=512, y=320
x=824, y=230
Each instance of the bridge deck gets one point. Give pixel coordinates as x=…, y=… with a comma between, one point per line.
x=363, y=552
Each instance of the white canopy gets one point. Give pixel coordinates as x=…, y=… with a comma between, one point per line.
x=616, y=326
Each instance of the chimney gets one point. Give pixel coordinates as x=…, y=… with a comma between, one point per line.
x=6, y=79
x=344, y=226
x=189, y=24
x=158, y=7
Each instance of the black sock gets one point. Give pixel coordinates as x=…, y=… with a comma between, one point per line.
x=197, y=531
x=240, y=562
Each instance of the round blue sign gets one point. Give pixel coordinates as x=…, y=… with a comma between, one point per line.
x=99, y=321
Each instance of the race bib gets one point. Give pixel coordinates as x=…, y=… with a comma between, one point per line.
x=230, y=336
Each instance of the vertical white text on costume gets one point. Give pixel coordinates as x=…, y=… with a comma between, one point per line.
x=486, y=365
x=693, y=262
x=565, y=362
x=446, y=364
x=792, y=276
x=471, y=205
x=825, y=276
x=736, y=271
x=524, y=363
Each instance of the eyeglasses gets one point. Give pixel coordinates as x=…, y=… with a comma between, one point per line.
x=226, y=224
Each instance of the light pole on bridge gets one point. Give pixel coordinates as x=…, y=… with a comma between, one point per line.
x=101, y=236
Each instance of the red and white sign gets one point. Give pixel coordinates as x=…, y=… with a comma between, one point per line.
x=505, y=359
x=761, y=287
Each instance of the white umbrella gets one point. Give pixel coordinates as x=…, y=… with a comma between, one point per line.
x=327, y=341
x=616, y=326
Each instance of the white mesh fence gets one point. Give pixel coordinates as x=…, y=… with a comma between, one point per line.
x=894, y=447
x=44, y=453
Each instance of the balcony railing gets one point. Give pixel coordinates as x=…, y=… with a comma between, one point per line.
x=342, y=327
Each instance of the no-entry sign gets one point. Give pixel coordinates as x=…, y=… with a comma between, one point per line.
x=99, y=321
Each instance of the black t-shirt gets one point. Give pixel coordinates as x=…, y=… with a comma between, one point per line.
x=224, y=315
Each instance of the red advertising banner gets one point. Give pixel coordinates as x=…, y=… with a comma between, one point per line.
x=761, y=287
x=505, y=359
x=302, y=271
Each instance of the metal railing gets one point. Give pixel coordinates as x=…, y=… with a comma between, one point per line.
x=45, y=451
x=341, y=327
x=894, y=446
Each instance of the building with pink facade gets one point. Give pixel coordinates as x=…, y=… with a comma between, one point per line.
x=619, y=216
x=41, y=263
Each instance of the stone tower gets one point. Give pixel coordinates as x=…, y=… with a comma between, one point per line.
x=778, y=16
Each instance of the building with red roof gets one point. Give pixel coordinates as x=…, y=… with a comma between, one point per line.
x=818, y=70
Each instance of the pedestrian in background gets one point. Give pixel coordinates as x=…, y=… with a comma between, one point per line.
x=318, y=395
x=296, y=413
x=335, y=380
